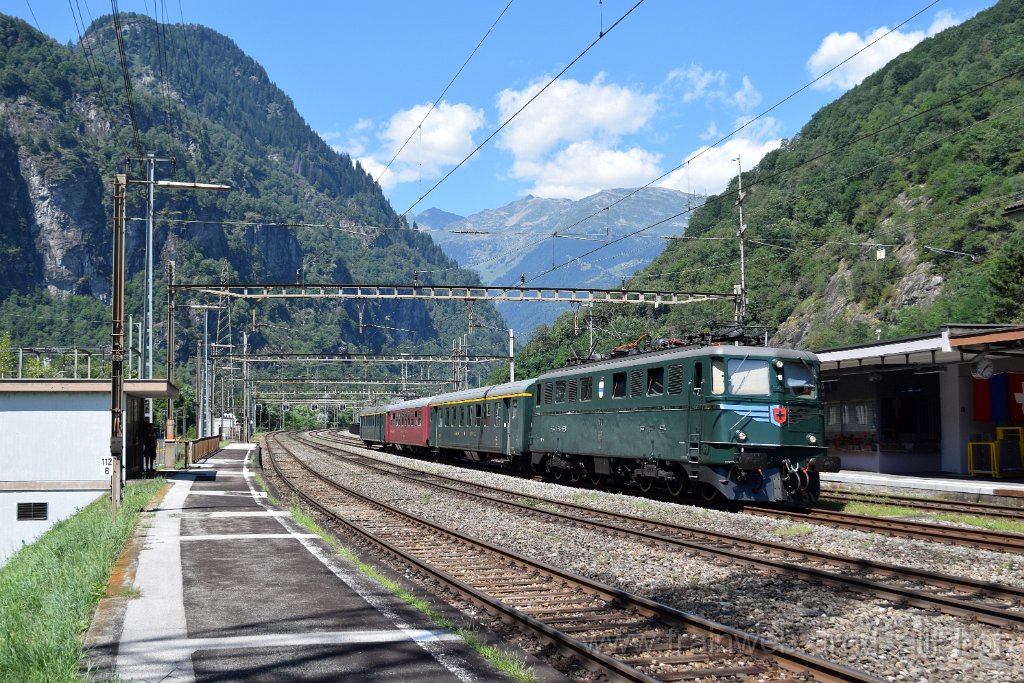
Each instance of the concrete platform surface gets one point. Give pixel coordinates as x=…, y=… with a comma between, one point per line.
x=228, y=588
x=925, y=483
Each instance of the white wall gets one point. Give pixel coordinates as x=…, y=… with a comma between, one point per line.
x=62, y=504
x=51, y=436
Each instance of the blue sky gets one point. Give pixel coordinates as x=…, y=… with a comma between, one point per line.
x=668, y=81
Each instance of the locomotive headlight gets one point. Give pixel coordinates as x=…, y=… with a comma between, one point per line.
x=778, y=364
x=741, y=436
x=812, y=439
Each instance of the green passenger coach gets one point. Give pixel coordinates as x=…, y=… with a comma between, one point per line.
x=489, y=423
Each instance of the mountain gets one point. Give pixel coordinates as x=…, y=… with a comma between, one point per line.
x=298, y=209
x=516, y=241
x=883, y=216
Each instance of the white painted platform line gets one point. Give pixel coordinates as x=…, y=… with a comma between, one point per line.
x=924, y=483
x=240, y=513
x=231, y=494
x=370, y=591
x=243, y=537
x=190, y=645
x=158, y=614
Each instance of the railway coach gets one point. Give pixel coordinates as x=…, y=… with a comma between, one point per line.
x=488, y=423
x=373, y=425
x=408, y=426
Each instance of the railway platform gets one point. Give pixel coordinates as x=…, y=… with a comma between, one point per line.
x=972, y=489
x=219, y=585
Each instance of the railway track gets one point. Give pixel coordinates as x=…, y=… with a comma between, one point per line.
x=998, y=541
x=627, y=637
x=985, y=539
x=929, y=504
x=985, y=602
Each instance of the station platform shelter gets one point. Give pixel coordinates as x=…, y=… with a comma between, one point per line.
x=925, y=404
x=55, y=449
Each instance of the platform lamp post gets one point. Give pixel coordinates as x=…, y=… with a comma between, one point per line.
x=117, y=350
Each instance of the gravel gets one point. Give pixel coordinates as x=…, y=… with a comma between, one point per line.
x=882, y=638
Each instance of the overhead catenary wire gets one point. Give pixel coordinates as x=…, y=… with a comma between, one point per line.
x=759, y=116
x=440, y=97
x=525, y=105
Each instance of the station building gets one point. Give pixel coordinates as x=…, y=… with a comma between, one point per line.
x=948, y=402
x=55, y=449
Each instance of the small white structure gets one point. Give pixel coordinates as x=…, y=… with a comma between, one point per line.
x=55, y=449
x=227, y=426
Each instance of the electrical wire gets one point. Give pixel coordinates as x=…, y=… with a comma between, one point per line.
x=759, y=116
x=419, y=127
x=800, y=164
x=525, y=105
x=127, y=77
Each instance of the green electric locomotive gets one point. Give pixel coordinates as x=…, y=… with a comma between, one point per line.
x=742, y=423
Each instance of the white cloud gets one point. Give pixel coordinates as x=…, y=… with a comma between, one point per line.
x=570, y=111
x=446, y=136
x=712, y=133
x=445, y=139
x=712, y=168
x=583, y=168
x=700, y=83
x=747, y=97
x=697, y=81
x=838, y=46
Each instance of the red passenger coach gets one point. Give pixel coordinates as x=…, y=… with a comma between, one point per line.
x=408, y=425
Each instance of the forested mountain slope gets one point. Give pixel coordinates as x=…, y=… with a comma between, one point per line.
x=921, y=157
x=298, y=208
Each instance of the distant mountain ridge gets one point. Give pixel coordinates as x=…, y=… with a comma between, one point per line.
x=518, y=241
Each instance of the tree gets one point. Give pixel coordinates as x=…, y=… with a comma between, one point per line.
x=6, y=356
x=1008, y=282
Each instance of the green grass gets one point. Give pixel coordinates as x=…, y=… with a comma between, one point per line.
x=794, y=530
x=991, y=523
x=266, y=489
x=882, y=509
x=49, y=589
x=499, y=659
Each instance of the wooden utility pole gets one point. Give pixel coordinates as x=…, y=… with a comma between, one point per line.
x=117, y=345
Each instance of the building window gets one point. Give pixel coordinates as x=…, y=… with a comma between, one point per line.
x=29, y=512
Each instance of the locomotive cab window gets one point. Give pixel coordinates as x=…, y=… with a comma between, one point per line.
x=619, y=385
x=749, y=377
x=655, y=381
x=717, y=376
x=800, y=379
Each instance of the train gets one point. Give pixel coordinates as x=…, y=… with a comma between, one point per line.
x=712, y=421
